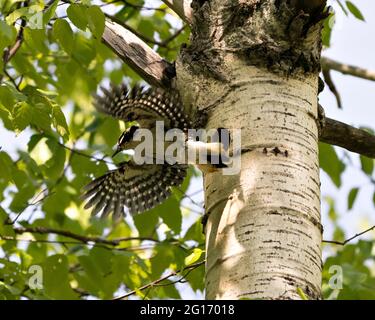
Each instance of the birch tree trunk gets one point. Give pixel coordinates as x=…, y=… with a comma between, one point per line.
x=254, y=65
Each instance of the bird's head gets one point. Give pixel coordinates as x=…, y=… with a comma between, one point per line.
x=125, y=139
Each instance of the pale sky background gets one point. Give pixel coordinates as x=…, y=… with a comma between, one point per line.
x=353, y=42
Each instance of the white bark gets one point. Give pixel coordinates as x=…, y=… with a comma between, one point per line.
x=263, y=231
x=253, y=65
x=137, y=54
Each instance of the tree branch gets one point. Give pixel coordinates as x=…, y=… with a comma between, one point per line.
x=329, y=64
x=138, y=55
x=146, y=39
x=156, y=282
x=81, y=238
x=343, y=243
x=65, y=242
x=343, y=135
x=81, y=153
x=182, y=9
x=34, y=202
x=10, y=52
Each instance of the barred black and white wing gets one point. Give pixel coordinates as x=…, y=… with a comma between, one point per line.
x=144, y=106
x=137, y=188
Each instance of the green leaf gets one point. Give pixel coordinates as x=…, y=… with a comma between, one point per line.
x=332, y=214
x=36, y=39
x=50, y=12
x=354, y=10
x=41, y=116
x=84, y=50
x=18, y=13
x=59, y=122
x=195, y=278
x=195, y=232
x=58, y=201
x=338, y=234
x=366, y=248
x=64, y=35
x=147, y=28
x=55, y=165
x=5, y=229
x=327, y=30
x=166, y=291
x=330, y=163
x=194, y=256
x=78, y=15
x=22, y=116
x=163, y=258
x=109, y=131
x=367, y=165
x=353, y=276
x=6, y=166
x=352, y=197
x=34, y=140
x=7, y=34
x=96, y=20
x=170, y=212
x=92, y=279
x=146, y=223
x=55, y=278
x=21, y=199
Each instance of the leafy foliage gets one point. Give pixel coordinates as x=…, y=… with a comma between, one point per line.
x=346, y=7
x=356, y=262
x=46, y=96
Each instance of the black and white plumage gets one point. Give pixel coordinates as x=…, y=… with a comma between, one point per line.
x=137, y=187
x=142, y=187
x=146, y=106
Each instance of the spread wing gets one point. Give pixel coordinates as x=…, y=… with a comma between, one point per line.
x=144, y=106
x=138, y=188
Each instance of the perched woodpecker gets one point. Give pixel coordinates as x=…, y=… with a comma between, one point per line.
x=140, y=187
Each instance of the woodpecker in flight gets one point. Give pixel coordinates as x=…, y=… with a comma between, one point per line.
x=141, y=187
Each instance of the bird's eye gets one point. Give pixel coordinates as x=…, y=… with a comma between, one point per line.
x=131, y=116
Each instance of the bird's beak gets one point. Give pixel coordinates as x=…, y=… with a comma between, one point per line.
x=118, y=150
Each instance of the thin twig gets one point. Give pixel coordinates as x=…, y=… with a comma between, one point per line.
x=343, y=243
x=185, y=195
x=67, y=242
x=30, y=204
x=81, y=153
x=156, y=282
x=19, y=39
x=11, y=79
x=9, y=54
x=81, y=238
